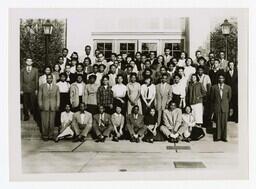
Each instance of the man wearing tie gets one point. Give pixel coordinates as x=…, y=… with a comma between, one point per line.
x=49, y=102
x=135, y=125
x=29, y=88
x=220, y=97
x=102, y=125
x=81, y=124
x=163, y=96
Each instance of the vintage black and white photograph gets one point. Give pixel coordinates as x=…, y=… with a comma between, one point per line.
x=131, y=90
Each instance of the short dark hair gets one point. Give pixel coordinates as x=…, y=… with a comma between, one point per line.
x=79, y=64
x=87, y=58
x=102, y=65
x=95, y=65
x=87, y=46
x=170, y=63
x=178, y=75
x=92, y=76
x=62, y=74
x=201, y=58
x=197, y=78
x=64, y=49
x=164, y=74
x=180, y=67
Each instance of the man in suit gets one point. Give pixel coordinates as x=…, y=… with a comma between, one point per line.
x=70, y=77
x=135, y=125
x=232, y=81
x=29, y=88
x=81, y=123
x=167, y=56
x=49, y=103
x=223, y=61
x=163, y=96
x=172, y=119
x=102, y=125
x=66, y=60
x=220, y=97
x=215, y=72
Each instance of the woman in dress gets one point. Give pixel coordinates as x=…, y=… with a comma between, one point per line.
x=133, y=92
x=148, y=94
x=195, y=95
x=160, y=62
x=90, y=95
x=119, y=93
x=189, y=69
x=178, y=91
x=150, y=121
x=182, y=60
x=56, y=71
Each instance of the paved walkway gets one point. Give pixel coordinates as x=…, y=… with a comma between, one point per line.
x=68, y=157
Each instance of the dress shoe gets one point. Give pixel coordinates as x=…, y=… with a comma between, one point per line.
x=217, y=140
x=115, y=139
x=137, y=140
x=151, y=140
x=103, y=139
x=224, y=140
x=56, y=140
x=100, y=138
x=82, y=139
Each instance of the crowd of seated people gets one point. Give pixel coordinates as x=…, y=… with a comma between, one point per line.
x=145, y=98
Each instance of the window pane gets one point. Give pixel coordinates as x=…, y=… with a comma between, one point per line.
x=108, y=46
x=149, y=47
x=168, y=45
x=123, y=46
x=100, y=46
x=108, y=54
x=131, y=46
x=121, y=52
x=176, y=46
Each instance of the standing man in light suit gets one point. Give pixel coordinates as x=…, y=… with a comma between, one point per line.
x=220, y=97
x=29, y=89
x=163, y=96
x=49, y=103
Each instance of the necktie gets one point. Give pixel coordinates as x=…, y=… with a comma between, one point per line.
x=148, y=93
x=221, y=91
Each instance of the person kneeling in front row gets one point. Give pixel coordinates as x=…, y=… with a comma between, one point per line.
x=135, y=125
x=172, y=118
x=102, y=125
x=117, y=120
x=81, y=124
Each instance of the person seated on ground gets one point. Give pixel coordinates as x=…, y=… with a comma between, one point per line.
x=102, y=125
x=191, y=131
x=135, y=125
x=150, y=121
x=81, y=124
x=117, y=120
x=188, y=122
x=172, y=118
x=66, y=120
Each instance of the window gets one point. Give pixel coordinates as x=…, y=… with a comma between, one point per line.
x=128, y=48
x=176, y=48
x=147, y=47
x=106, y=48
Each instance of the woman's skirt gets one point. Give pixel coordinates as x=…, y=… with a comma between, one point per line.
x=198, y=112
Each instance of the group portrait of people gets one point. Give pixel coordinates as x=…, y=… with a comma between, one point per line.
x=142, y=97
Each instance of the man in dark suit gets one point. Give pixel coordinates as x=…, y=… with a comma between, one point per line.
x=70, y=77
x=214, y=73
x=102, y=125
x=232, y=81
x=49, y=103
x=135, y=125
x=66, y=60
x=220, y=97
x=29, y=89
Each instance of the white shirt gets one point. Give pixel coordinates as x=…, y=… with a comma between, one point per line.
x=119, y=90
x=82, y=116
x=221, y=87
x=28, y=68
x=205, y=80
x=181, y=63
x=63, y=86
x=66, y=117
x=80, y=88
x=112, y=79
x=148, y=92
x=73, y=69
x=188, y=71
x=62, y=67
x=179, y=89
